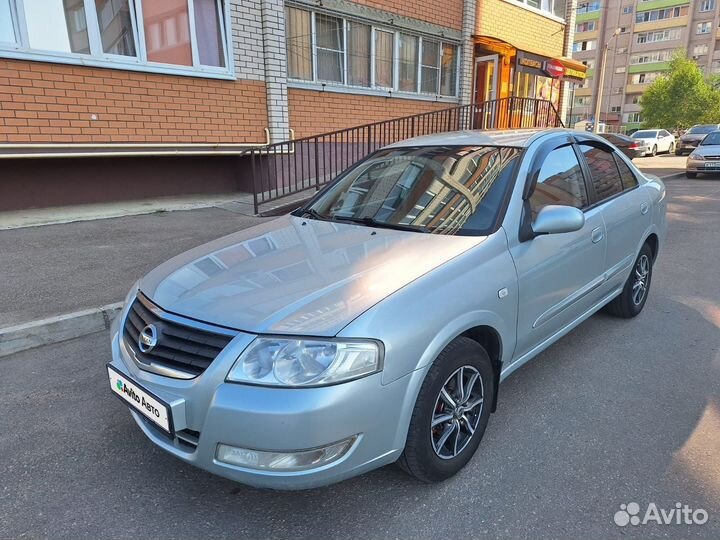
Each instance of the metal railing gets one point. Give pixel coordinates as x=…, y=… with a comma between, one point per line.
x=289, y=167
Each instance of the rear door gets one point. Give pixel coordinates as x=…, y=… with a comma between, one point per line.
x=624, y=205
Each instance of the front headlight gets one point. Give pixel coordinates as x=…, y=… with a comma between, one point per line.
x=696, y=157
x=303, y=362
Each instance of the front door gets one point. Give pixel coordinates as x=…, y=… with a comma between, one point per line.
x=560, y=276
x=486, y=77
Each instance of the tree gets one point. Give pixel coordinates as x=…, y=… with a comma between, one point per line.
x=681, y=97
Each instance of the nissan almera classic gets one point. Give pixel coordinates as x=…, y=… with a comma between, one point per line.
x=375, y=324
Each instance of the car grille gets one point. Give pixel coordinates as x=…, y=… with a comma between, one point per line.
x=712, y=158
x=180, y=348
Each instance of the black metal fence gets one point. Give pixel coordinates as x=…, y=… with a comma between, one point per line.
x=289, y=167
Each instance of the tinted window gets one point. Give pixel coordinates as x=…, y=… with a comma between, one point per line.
x=560, y=182
x=438, y=189
x=711, y=139
x=629, y=180
x=699, y=130
x=664, y=133
x=603, y=172
x=644, y=135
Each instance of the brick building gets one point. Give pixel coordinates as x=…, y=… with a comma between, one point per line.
x=108, y=99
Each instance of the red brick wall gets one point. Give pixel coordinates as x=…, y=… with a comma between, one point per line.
x=312, y=112
x=447, y=13
x=53, y=103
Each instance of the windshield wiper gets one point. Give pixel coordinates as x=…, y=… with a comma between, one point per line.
x=370, y=222
x=315, y=214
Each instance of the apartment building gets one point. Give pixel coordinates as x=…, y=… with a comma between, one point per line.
x=121, y=99
x=650, y=31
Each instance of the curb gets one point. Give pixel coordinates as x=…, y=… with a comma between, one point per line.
x=56, y=329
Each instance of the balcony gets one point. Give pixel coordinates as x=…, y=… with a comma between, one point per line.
x=661, y=25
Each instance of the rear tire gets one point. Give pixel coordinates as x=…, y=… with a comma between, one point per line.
x=689, y=174
x=427, y=456
x=637, y=287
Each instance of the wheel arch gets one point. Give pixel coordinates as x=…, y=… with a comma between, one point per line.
x=653, y=241
x=490, y=340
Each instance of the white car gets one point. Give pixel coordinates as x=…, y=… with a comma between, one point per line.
x=655, y=141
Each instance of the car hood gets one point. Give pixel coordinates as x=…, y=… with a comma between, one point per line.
x=707, y=150
x=296, y=276
x=692, y=137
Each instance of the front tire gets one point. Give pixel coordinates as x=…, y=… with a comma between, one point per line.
x=637, y=287
x=653, y=153
x=689, y=174
x=451, y=412
x=672, y=148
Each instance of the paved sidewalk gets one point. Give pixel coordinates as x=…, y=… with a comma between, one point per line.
x=56, y=269
x=662, y=165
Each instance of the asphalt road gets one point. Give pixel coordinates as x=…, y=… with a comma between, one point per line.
x=616, y=412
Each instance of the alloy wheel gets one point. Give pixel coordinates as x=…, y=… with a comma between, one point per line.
x=642, y=273
x=457, y=412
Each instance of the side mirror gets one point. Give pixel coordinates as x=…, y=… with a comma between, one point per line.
x=556, y=219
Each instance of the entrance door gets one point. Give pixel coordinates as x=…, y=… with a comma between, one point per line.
x=486, y=77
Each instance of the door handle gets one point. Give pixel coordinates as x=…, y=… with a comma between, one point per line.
x=644, y=207
x=597, y=235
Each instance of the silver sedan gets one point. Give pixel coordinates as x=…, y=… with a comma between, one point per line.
x=375, y=324
x=706, y=157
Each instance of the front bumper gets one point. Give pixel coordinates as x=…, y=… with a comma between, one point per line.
x=703, y=166
x=686, y=147
x=207, y=411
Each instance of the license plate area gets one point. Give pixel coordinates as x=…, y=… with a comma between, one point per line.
x=712, y=165
x=141, y=400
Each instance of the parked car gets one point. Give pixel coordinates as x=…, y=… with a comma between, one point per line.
x=627, y=145
x=706, y=157
x=655, y=140
x=375, y=324
x=692, y=137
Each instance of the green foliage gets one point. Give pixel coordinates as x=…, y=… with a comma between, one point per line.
x=681, y=97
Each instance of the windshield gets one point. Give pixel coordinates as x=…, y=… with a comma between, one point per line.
x=698, y=130
x=713, y=139
x=644, y=135
x=436, y=189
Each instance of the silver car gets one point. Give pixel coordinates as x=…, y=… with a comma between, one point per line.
x=375, y=324
x=706, y=157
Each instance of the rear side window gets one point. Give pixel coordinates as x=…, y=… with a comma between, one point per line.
x=560, y=182
x=629, y=180
x=603, y=172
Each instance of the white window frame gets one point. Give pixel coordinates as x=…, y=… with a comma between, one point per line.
x=701, y=26
x=374, y=88
x=706, y=5
x=550, y=14
x=99, y=58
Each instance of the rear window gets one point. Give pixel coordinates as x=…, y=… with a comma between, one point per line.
x=699, y=130
x=644, y=135
x=603, y=172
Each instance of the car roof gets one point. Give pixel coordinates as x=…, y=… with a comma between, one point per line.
x=520, y=138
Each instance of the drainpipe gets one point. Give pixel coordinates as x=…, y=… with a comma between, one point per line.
x=468, y=51
x=275, y=60
x=570, y=12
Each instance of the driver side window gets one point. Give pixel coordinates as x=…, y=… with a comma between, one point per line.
x=560, y=182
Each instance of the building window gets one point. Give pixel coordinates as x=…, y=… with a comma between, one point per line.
x=699, y=50
x=704, y=27
x=589, y=63
x=408, y=63
x=633, y=118
x=627, y=9
x=645, y=78
x=178, y=34
x=330, y=49
x=660, y=35
x=553, y=7
x=588, y=45
x=658, y=56
x=707, y=5
x=587, y=26
x=588, y=7
x=660, y=14
x=620, y=69
x=615, y=109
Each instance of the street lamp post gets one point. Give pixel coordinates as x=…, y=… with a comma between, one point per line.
x=598, y=98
